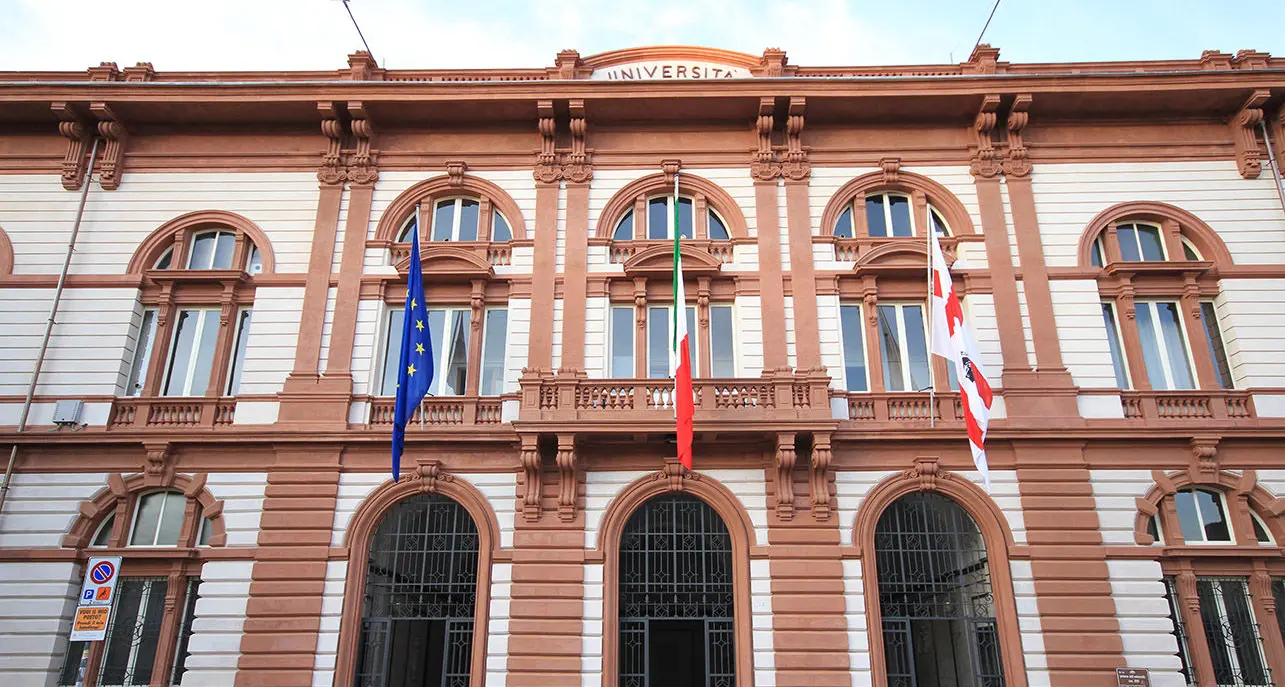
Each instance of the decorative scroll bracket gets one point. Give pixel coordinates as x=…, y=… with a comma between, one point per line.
x=529, y=454
x=982, y=160
x=428, y=476
x=819, y=474
x=117, y=138
x=362, y=164
x=73, y=128
x=1016, y=163
x=331, y=172
x=1249, y=157
x=568, y=482
x=785, y=457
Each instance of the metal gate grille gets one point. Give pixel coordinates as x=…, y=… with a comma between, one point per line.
x=676, y=564
x=935, y=596
x=421, y=580
x=1235, y=647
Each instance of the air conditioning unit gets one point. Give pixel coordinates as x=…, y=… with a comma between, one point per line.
x=67, y=412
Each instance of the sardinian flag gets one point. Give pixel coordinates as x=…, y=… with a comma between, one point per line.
x=680, y=361
x=953, y=340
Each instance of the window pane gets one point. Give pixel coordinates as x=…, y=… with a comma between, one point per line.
x=938, y=224
x=457, y=356
x=104, y=535
x=142, y=354
x=133, y=633
x=181, y=352
x=1188, y=520
x=171, y=519
x=223, y=251
x=497, y=329
x=436, y=333
x=500, y=230
x=444, y=220
x=658, y=218
x=71, y=673
x=1150, y=345
x=1217, y=353
x=1153, y=528
x=185, y=630
x=1179, y=630
x=900, y=208
x=1096, y=257
x=1211, y=516
x=854, y=352
x=1244, y=633
x=412, y=224
x=238, y=353
x=149, y=516
x=202, y=251
x=890, y=349
x=843, y=225
x=207, y=341
x=1113, y=342
x=657, y=342
x=916, y=347
x=203, y=537
x=164, y=262
x=1149, y=237
x=691, y=341
x=1175, y=346
x=624, y=228
x=875, y=220
x=622, y=342
x=685, y=218
x=1188, y=251
x=392, y=352
x=1128, y=243
x=717, y=230
x=722, y=341
x=1260, y=532
x=255, y=264
x=468, y=219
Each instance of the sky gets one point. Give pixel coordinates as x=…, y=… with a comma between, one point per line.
x=71, y=35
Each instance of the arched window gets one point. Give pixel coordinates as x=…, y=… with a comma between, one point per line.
x=659, y=221
x=459, y=218
x=420, y=597
x=1203, y=516
x=887, y=214
x=157, y=519
x=935, y=598
x=676, y=596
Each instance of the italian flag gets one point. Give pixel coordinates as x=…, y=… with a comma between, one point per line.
x=680, y=360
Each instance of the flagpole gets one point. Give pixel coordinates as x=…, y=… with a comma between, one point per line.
x=928, y=310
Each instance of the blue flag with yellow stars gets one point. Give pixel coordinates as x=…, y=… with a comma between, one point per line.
x=415, y=374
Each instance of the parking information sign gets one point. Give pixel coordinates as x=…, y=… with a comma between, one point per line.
x=96, y=598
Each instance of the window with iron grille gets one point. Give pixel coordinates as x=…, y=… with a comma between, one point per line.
x=1235, y=646
x=1179, y=630
x=676, y=596
x=134, y=632
x=935, y=596
x=420, y=596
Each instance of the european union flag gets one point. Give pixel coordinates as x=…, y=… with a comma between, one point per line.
x=415, y=374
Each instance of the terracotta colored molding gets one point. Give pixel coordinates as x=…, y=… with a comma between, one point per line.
x=1244, y=131
x=6, y=254
x=177, y=232
x=1194, y=229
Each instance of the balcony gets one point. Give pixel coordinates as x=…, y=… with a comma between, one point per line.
x=442, y=411
x=1187, y=405
x=775, y=397
x=623, y=252
x=171, y=413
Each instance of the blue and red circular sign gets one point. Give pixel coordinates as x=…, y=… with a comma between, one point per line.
x=102, y=572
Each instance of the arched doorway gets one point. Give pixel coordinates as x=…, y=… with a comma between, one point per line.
x=420, y=596
x=676, y=596
x=935, y=597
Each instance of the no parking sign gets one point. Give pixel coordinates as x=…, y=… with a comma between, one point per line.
x=96, y=596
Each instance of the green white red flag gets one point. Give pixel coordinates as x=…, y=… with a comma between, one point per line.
x=680, y=361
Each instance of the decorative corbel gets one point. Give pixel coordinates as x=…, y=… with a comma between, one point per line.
x=819, y=473
x=1127, y=306
x=568, y=484
x=455, y=172
x=670, y=168
x=785, y=456
x=702, y=301
x=982, y=161
x=113, y=132
x=891, y=167
x=796, y=166
x=72, y=127
x=1244, y=125
x=1016, y=163
x=158, y=467
x=763, y=165
x=428, y=476
x=1187, y=591
x=546, y=161
x=1203, y=468
x=362, y=167
x=675, y=474
x=870, y=303
x=331, y=172
x=529, y=455
x=578, y=166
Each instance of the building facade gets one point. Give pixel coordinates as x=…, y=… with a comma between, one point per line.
x=1116, y=232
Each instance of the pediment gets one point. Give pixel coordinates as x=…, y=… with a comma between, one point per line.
x=449, y=262
x=659, y=259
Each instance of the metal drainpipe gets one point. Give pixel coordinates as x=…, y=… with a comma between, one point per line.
x=49, y=325
x=1271, y=154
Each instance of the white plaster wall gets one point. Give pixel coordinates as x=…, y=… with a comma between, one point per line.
x=854, y=594
x=1028, y=624
x=341, y=229
x=1246, y=213
x=979, y=310
x=596, y=342
x=761, y=621
x=274, y=334
x=37, y=214
x=497, y=637
x=215, y=646
x=332, y=610
x=557, y=333
x=499, y=488
x=749, y=312
x=519, y=342
x=606, y=183
x=850, y=489
x=1077, y=310
x=242, y=494
x=327, y=328
x=367, y=346
x=1138, y=589
x=560, y=232
x=36, y=607
x=738, y=184
x=87, y=350
x=791, y=348
x=1009, y=226
x=591, y=634
x=1253, y=324
x=1026, y=324
x=1115, y=493
x=41, y=507
x=830, y=329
